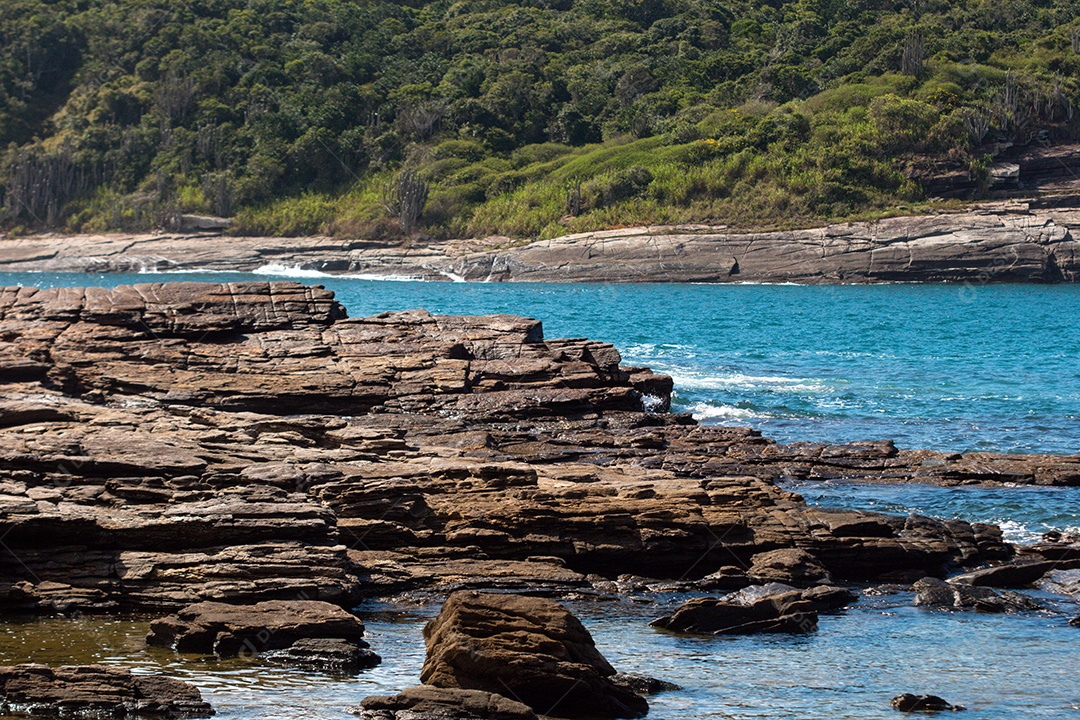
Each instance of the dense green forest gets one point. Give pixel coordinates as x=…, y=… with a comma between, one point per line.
x=530, y=119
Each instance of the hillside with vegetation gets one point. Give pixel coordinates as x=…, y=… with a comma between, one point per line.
x=529, y=119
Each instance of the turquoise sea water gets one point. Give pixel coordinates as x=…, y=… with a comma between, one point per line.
x=945, y=367
x=949, y=367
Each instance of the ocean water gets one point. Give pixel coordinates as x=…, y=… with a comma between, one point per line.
x=944, y=367
x=949, y=367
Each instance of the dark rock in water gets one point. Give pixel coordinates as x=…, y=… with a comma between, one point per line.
x=1075, y=622
x=825, y=598
x=329, y=655
x=530, y=648
x=96, y=691
x=229, y=630
x=752, y=610
x=821, y=597
x=1063, y=582
x=1064, y=549
x=644, y=685
x=792, y=566
x=1017, y=602
x=1009, y=575
x=922, y=703
x=728, y=578
x=932, y=592
x=432, y=703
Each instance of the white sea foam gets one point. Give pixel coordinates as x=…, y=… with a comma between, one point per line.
x=180, y=271
x=662, y=350
x=732, y=381
x=1017, y=532
x=703, y=412
x=295, y=271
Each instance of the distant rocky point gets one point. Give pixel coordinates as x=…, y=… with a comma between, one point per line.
x=1006, y=242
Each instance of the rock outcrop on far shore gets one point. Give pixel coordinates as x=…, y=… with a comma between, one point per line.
x=1003, y=242
x=168, y=444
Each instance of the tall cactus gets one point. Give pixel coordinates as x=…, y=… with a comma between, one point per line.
x=404, y=197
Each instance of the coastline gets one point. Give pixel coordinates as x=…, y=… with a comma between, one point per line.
x=1005, y=242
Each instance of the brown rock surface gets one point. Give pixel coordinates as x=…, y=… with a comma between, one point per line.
x=94, y=691
x=772, y=609
x=431, y=703
x=162, y=445
x=1002, y=242
x=529, y=648
x=229, y=630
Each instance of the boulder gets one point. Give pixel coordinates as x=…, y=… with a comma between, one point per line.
x=922, y=703
x=96, y=691
x=230, y=630
x=328, y=655
x=531, y=649
x=792, y=566
x=432, y=703
x=1075, y=622
x=776, y=609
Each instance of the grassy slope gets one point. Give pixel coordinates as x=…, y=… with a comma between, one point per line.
x=295, y=115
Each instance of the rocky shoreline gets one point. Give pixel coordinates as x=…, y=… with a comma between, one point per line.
x=171, y=443
x=1005, y=242
x=166, y=448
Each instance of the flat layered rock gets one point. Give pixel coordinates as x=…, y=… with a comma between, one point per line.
x=530, y=648
x=166, y=444
x=94, y=691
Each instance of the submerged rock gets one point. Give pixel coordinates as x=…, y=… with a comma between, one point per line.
x=95, y=691
x=529, y=648
x=432, y=703
x=230, y=630
x=922, y=703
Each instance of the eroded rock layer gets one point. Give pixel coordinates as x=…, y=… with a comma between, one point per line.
x=166, y=444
